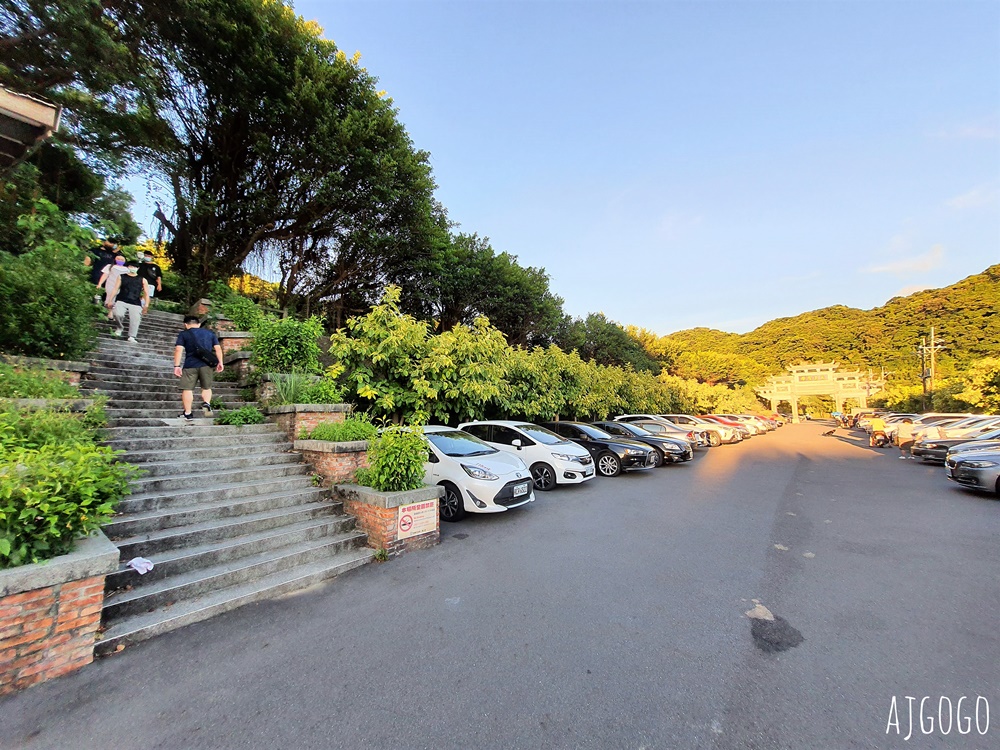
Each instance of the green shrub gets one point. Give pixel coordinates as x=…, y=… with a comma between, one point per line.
x=357, y=427
x=28, y=428
x=287, y=345
x=53, y=495
x=396, y=460
x=47, y=304
x=245, y=314
x=34, y=383
x=326, y=390
x=289, y=387
x=226, y=376
x=243, y=415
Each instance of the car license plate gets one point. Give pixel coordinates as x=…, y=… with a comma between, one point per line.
x=520, y=490
x=588, y=472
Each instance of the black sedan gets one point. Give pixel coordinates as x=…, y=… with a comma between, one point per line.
x=611, y=454
x=936, y=449
x=669, y=451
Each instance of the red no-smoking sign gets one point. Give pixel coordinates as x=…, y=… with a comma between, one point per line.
x=406, y=522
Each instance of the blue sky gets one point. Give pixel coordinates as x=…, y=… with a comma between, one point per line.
x=680, y=164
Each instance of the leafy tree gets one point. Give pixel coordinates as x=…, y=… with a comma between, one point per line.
x=607, y=343
x=981, y=385
x=382, y=354
x=464, y=367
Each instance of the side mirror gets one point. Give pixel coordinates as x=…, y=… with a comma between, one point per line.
x=431, y=458
x=516, y=442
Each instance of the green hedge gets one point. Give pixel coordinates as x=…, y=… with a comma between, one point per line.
x=34, y=383
x=357, y=427
x=56, y=483
x=47, y=305
x=238, y=417
x=52, y=495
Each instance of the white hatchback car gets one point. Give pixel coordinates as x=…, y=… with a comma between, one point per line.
x=477, y=478
x=552, y=459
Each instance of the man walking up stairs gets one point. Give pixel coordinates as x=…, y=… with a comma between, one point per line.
x=227, y=515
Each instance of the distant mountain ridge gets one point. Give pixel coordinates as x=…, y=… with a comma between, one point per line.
x=966, y=317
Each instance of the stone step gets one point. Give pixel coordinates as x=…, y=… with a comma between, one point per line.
x=174, y=562
x=185, y=431
x=125, y=379
x=155, y=446
x=194, y=583
x=140, y=627
x=150, y=501
x=209, y=480
x=150, y=543
x=173, y=515
x=182, y=452
x=167, y=412
x=216, y=466
x=168, y=399
x=173, y=421
x=165, y=392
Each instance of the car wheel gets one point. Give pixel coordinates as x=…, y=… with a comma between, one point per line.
x=658, y=459
x=714, y=440
x=544, y=477
x=452, y=506
x=609, y=465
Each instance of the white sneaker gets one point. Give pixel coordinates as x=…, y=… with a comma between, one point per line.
x=902, y=458
x=131, y=340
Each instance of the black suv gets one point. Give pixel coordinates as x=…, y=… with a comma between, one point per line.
x=611, y=454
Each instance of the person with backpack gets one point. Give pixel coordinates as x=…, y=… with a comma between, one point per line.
x=197, y=355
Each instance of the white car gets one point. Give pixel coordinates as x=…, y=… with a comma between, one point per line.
x=477, y=478
x=551, y=458
x=717, y=433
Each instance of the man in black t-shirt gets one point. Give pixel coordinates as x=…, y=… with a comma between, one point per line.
x=131, y=295
x=151, y=272
x=191, y=368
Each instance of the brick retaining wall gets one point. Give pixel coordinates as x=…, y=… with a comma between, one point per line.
x=335, y=462
x=296, y=418
x=50, y=614
x=378, y=515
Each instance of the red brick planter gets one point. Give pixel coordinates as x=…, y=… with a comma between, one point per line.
x=335, y=462
x=295, y=419
x=50, y=613
x=391, y=519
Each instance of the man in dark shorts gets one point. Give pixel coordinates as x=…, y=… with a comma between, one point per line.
x=195, y=369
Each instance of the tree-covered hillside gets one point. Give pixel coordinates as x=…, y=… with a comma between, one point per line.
x=966, y=317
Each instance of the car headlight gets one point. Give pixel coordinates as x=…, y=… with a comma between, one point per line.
x=929, y=445
x=566, y=457
x=978, y=464
x=673, y=448
x=479, y=473
x=634, y=452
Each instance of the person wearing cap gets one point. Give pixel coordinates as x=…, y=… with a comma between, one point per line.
x=129, y=294
x=151, y=273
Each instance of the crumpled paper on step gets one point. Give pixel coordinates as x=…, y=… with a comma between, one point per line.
x=140, y=564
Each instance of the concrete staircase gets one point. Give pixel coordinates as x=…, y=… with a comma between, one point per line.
x=228, y=515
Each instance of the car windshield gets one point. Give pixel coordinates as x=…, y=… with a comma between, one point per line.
x=542, y=435
x=459, y=444
x=627, y=430
x=991, y=435
x=595, y=432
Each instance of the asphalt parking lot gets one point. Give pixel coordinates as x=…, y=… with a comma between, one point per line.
x=610, y=615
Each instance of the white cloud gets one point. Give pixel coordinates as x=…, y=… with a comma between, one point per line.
x=906, y=291
x=984, y=130
x=984, y=195
x=930, y=260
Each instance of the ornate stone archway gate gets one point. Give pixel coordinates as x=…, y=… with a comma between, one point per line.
x=820, y=379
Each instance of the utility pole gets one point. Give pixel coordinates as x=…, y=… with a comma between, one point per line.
x=927, y=373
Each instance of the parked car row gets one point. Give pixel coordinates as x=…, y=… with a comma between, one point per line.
x=496, y=465
x=967, y=444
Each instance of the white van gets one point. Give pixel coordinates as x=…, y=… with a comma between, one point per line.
x=553, y=459
x=477, y=478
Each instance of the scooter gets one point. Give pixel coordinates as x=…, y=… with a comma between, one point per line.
x=880, y=439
